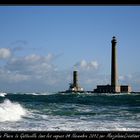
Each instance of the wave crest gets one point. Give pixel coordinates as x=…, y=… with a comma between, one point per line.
x=2, y=94
x=10, y=111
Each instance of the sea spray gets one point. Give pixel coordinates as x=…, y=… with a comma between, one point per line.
x=3, y=94
x=11, y=111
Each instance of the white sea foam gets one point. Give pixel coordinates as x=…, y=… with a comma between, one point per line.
x=36, y=94
x=10, y=111
x=2, y=94
x=40, y=122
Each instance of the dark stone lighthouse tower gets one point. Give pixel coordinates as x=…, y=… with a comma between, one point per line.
x=75, y=87
x=75, y=79
x=114, y=68
x=114, y=87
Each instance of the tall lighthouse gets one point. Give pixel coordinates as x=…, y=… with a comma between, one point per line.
x=114, y=67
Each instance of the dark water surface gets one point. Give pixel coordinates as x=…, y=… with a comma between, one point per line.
x=58, y=112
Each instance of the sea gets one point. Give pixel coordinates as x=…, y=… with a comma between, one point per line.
x=69, y=112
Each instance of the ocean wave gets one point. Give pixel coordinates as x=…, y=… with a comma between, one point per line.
x=36, y=93
x=46, y=93
x=11, y=111
x=57, y=123
x=70, y=94
x=2, y=94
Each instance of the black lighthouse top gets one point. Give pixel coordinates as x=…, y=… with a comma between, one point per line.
x=114, y=39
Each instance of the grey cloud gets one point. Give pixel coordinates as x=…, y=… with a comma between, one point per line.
x=31, y=65
x=33, y=72
x=12, y=77
x=84, y=65
x=5, y=53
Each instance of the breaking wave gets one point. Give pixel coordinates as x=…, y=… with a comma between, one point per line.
x=11, y=111
x=2, y=94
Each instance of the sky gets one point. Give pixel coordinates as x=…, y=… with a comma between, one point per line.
x=40, y=46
